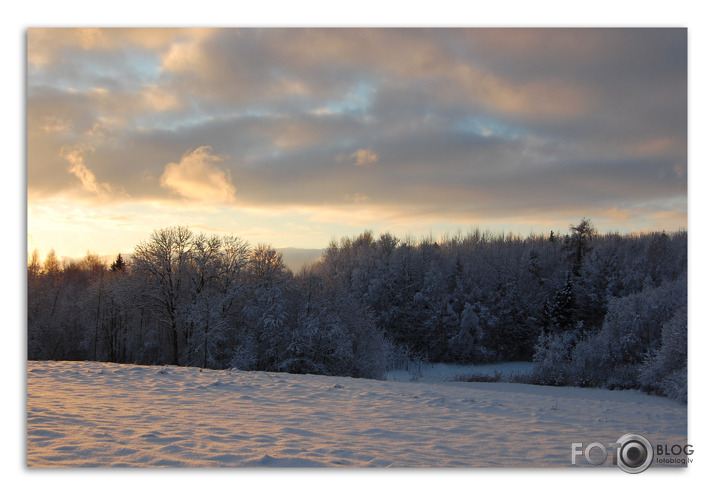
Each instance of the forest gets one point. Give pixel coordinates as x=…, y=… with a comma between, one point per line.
x=589, y=309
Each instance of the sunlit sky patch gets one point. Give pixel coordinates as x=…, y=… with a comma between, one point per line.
x=294, y=137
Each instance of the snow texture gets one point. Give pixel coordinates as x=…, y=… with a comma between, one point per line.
x=82, y=414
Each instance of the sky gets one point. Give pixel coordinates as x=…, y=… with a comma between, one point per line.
x=293, y=137
x=16, y=99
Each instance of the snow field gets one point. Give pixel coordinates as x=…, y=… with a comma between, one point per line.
x=82, y=414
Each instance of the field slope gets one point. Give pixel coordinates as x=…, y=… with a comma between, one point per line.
x=82, y=414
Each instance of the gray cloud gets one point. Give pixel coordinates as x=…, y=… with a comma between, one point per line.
x=448, y=120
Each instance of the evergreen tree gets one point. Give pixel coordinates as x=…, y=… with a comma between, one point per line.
x=559, y=312
x=578, y=244
x=612, y=307
x=118, y=264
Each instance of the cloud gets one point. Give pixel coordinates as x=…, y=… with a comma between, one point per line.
x=364, y=157
x=46, y=46
x=75, y=156
x=196, y=177
x=159, y=100
x=184, y=57
x=357, y=197
x=359, y=158
x=465, y=124
x=54, y=124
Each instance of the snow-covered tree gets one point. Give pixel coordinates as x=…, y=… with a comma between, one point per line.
x=590, y=309
x=665, y=369
x=163, y=262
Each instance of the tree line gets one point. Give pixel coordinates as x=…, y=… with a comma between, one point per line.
x=606, y=310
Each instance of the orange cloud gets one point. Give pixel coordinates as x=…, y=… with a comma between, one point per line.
x=185, y=56
x=617, y=216
x=75, y=156
x=197, y=177
x=159, y=100
x=44, y=44
x=53, y=124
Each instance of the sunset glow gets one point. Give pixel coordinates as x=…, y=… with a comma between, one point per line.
x=295, y=137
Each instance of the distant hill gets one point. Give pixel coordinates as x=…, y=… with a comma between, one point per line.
x=296, y=258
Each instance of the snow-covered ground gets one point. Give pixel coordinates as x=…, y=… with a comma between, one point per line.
x=104, y=414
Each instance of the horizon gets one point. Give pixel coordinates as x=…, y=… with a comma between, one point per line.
x=295, y=137
x=295, y=258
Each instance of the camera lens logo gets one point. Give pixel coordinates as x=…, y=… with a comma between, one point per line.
x=634, y=454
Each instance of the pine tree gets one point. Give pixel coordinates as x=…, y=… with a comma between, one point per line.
x=559, y=313
x=118, y=265
x=578, y=244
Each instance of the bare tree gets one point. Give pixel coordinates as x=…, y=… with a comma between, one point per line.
x=164, y=262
